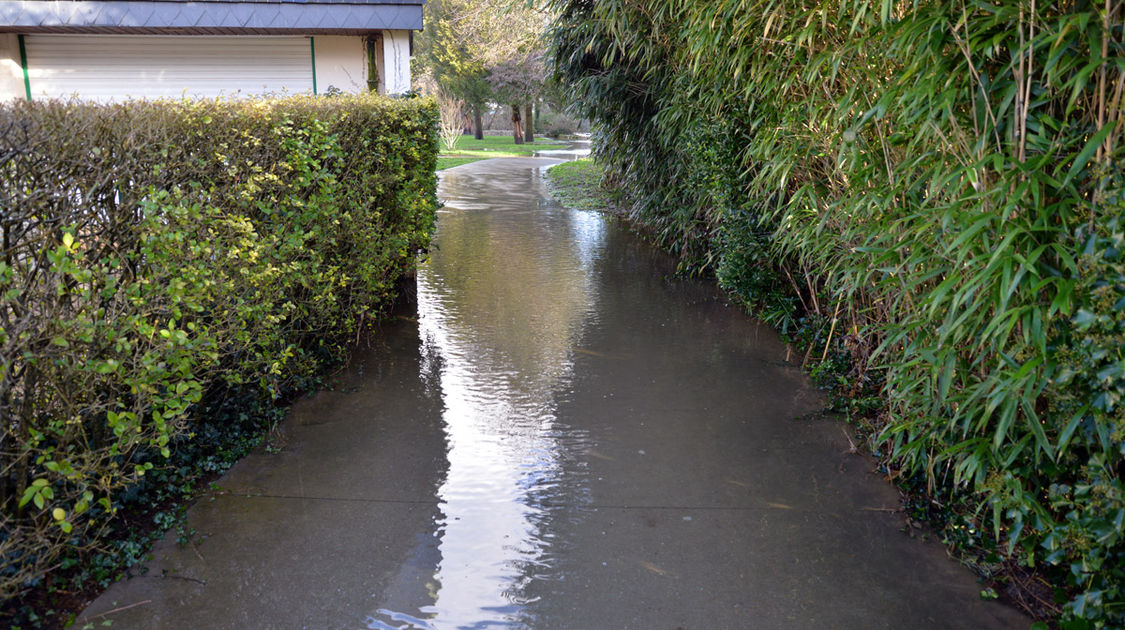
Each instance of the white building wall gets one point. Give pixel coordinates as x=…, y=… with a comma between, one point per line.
x=116, y=67
x=105, y=67
x=341, y=63
x=396, y=62
x=11, y=71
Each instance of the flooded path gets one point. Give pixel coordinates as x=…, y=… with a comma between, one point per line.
x=565, y=437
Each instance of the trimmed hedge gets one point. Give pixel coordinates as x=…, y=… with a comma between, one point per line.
x=931, y=194
x=162, y=258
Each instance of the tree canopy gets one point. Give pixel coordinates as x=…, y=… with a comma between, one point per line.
x=483, y=51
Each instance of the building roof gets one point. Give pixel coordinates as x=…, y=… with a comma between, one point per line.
x=210, y=17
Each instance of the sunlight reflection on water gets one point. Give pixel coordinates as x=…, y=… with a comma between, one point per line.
x=502, y=303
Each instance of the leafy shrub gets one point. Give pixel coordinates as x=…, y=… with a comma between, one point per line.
x=158, y=256
x=936, y=187
x=554, y=123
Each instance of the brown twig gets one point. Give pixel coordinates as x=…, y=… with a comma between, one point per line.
x=184, y=578
x=796, y=288
x=852, y=449
x=122, y=609
x=195, y=549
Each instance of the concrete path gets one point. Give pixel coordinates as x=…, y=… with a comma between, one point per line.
x=566, y=437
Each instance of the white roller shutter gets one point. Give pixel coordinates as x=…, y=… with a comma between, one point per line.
x=115, y=67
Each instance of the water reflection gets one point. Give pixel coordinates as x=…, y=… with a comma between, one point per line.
x=502, y=304
x=577, y=150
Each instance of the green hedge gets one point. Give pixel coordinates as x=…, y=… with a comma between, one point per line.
x=931, y=194
x=161, y=256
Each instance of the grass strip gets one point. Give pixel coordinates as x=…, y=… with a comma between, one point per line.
x=469, y=149
x=577, y=185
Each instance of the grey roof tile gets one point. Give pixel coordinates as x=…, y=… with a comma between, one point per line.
x=213, y=18
x=186, y=16
x=280, y=19
x=353, y=18
x=245, y=16
x=332, y=19
x=138, y=17
x=84, y=13
x=54, y=18
x=260, y=19
x=242, y=13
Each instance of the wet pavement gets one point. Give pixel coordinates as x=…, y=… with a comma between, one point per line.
x=567, y=436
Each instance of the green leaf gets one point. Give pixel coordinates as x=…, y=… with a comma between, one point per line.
x=1088, y=151
x=1068, y=431
x=31, y=492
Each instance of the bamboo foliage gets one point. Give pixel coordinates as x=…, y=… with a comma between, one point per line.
x=938, y=185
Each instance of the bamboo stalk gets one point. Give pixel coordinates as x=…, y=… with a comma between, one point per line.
x=1026, y=87
x=963, y=46
x=1116, y=106
x=1020, y=127
x=831, y=330
x=1102, y=152
x=812, y=293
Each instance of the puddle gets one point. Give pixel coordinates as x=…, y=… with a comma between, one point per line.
x=567, y=436
x=577, y=150
x=502, y=304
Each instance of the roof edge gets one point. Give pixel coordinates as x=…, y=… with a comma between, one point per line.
x=253, y=17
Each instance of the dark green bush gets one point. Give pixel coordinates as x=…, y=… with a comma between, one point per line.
x=938, y=187
x=157, y=255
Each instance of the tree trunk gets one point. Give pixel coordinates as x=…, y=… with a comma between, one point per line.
x=529, y=122
x=478, y=124
x=517, y=128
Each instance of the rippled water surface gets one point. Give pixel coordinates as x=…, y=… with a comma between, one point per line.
x=565, y=436
x=502, y=304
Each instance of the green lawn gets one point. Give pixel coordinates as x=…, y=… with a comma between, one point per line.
x=449, y=162
x=577, y=185
x=470, y=149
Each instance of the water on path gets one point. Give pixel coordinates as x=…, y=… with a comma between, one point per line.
x=566, y=437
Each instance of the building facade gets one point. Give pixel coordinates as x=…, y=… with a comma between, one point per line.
x=119, y=49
